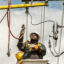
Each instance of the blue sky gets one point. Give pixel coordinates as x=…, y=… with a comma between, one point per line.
x=52, y=4
x=55, y=4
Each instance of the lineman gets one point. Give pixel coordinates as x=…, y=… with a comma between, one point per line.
x=32, y=49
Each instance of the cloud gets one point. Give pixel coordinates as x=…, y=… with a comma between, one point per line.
x=17, y=19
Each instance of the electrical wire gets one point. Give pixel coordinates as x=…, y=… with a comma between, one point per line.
x=54, y=47
x=41, y=25
x=61, y=30
x=3, y=17
x=58, y=55
x=40, y=22
x=26, y=26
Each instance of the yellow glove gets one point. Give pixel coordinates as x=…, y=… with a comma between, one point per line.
x=19, y=55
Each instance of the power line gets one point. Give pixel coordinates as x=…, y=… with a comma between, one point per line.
x=61, y=32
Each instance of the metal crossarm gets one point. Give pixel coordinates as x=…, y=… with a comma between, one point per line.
x=23, y=5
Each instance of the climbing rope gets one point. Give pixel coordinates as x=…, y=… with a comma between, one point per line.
x=8, y=53
x=11, y=31
x=8, y=20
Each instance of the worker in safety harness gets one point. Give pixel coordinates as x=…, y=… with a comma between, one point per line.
x=32, y=49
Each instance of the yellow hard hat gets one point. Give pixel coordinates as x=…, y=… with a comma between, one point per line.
x=19, y=55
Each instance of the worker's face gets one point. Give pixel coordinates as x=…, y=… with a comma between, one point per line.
x=33, y=37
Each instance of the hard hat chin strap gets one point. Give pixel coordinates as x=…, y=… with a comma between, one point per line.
x=34, y=41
